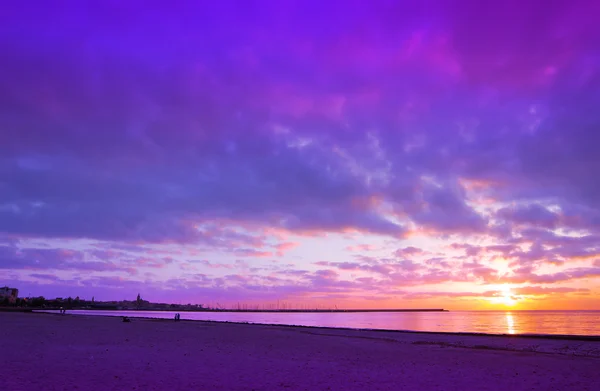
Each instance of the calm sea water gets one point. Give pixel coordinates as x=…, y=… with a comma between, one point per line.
x=491, y=322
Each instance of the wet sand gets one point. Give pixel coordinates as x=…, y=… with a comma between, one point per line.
x=53, y=352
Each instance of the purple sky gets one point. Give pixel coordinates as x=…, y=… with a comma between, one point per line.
x=350, y=153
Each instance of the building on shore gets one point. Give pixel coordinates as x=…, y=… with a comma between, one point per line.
x=9, y=293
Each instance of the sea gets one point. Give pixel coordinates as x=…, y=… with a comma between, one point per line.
x=487, y=322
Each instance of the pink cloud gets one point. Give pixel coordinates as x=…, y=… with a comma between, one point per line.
x=248, y=252
x=527, y=275
x=541, y=290
x=282, y=248
x=362, y=248
x=212, y=265
x=153, y=263
x=408, y=252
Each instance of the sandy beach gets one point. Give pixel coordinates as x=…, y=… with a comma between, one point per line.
x=53, y=352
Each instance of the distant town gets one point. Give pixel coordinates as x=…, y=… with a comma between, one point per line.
x=9, y=297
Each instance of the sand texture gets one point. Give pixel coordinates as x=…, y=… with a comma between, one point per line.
x=53, y=352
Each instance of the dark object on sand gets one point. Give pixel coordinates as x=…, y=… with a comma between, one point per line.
x=177, y=316
x=126, y=319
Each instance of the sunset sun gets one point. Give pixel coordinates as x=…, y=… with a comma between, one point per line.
x=507, y=297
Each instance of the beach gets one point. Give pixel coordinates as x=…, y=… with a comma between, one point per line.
x=54, y=352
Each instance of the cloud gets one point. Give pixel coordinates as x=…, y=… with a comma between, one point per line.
x=48, y=277
x=14, y=258
x=424, y=126
x=444, y=209
x=535, y=215
x=54, y=260
x=8, y=240
x=248, y=252
x=522, y=291
x=408, y=252
x=285, y=246
x=221, y=173
x=361, y=248
x=541, y=290
x=525, y=275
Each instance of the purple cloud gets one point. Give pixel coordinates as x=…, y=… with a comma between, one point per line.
x=525, y=275
x=535, y=215
x=417, y=124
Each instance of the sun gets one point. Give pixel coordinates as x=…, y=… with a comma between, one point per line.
x=504, y=296
x=507, y=297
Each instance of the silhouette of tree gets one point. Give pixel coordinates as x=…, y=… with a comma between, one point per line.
x=38, y=301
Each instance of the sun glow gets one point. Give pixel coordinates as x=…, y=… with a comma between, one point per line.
x=505, y=296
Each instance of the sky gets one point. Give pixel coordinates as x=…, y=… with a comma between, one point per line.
x=349, y=154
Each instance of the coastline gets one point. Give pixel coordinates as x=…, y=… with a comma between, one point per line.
x=102, y=352
x=567, y=337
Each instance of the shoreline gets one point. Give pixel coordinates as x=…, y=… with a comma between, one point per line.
x=560, y=337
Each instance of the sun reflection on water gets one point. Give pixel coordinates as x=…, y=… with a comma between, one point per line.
x=510, y=323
